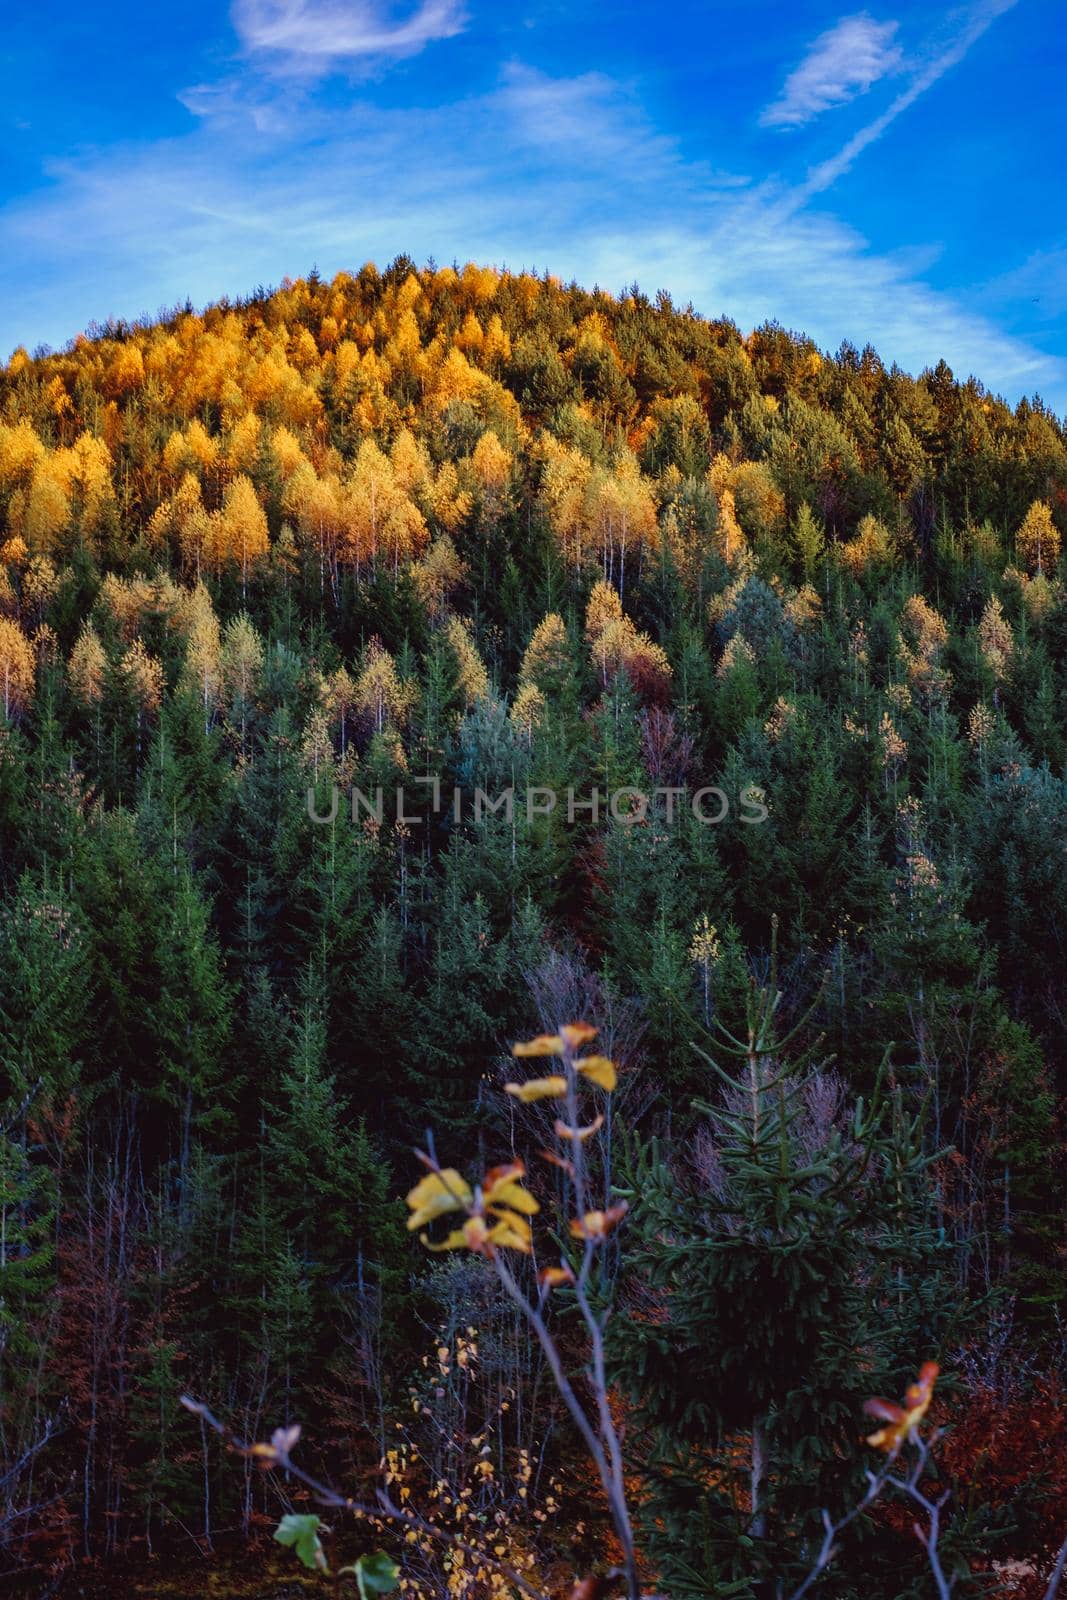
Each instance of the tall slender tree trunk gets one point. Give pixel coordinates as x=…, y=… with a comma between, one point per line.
x=756, y=1479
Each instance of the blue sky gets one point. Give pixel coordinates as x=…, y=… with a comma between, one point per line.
x=892, y=173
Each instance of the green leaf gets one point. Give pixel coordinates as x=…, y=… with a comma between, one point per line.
x=376, y=1574
x=301, y=1533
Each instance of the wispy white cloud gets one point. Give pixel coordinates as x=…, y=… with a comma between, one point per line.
x=593, y=121
x=977, y=19
x=575, y=114
x=842, y=63
x=241, y=100
x=310, y=35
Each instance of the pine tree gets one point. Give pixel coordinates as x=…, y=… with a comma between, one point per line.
x=45, y=992
x=808, y=541
x=30, y=1198
x=190, y=1017
x=27, y=1252
x=773, y=1246
x=330, y=1189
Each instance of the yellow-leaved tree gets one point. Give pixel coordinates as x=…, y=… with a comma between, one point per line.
x=564, y=490
x=491, y=469
x=16, y=669
x=546, y=662
x=202, y=671
x=622, y=516
x=380, y=517
x=87, y=668
x=244, y=536
x=528, y=709
x=604, y=607
x=472, y=677
x=996, y=642
x=872, y=546
x=339, y=701
x=1038, y=539
x=381, y=697
x=44, y=510
x=142, y=677
x=438, y=574
x=617, y=645
x=20, y=452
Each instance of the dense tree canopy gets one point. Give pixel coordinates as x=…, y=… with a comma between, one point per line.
x=267, y=573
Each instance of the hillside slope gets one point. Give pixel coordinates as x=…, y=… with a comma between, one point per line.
x=509, y=535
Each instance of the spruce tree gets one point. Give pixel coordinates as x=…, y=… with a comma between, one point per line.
x=779, y=1262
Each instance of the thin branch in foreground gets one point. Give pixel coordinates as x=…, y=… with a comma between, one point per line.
x=908, y=1484
x=876, y=1483
x=1057, y=1572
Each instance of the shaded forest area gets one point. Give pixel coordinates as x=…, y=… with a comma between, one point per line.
x=507, y=532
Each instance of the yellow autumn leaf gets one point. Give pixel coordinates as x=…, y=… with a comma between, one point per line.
x=598, y=1224
x=507, y=1172
x=553, y=1277
x=512, y=1233
x=513, y=1197
x=501, y=1187
x=475, y=1233
x=505, y=1231
x=902, y=1421
x=456, y=1240
x=575, y=1034
x=563, y=1131
x=546, y=1044
x=537, y=1089
x=436, y=1195
x=599, y=1070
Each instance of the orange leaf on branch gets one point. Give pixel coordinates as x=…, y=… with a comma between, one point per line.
x=598, y=1224
x=502, y=1188
x=538, y=1089
x=599, y=1070
x=580, y=1135
x=557, y=1161
x=901, y=1422
x=571, y=1036
x=546, y=1044
x=575, y=1034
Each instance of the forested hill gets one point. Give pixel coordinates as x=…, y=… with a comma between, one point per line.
x=503, y=532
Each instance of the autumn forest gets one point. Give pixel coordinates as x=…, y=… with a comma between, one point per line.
x=565, y=1182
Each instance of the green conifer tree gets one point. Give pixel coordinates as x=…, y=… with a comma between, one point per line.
x=775, y=1248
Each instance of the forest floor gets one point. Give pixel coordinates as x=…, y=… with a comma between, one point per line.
x=257, y=1577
